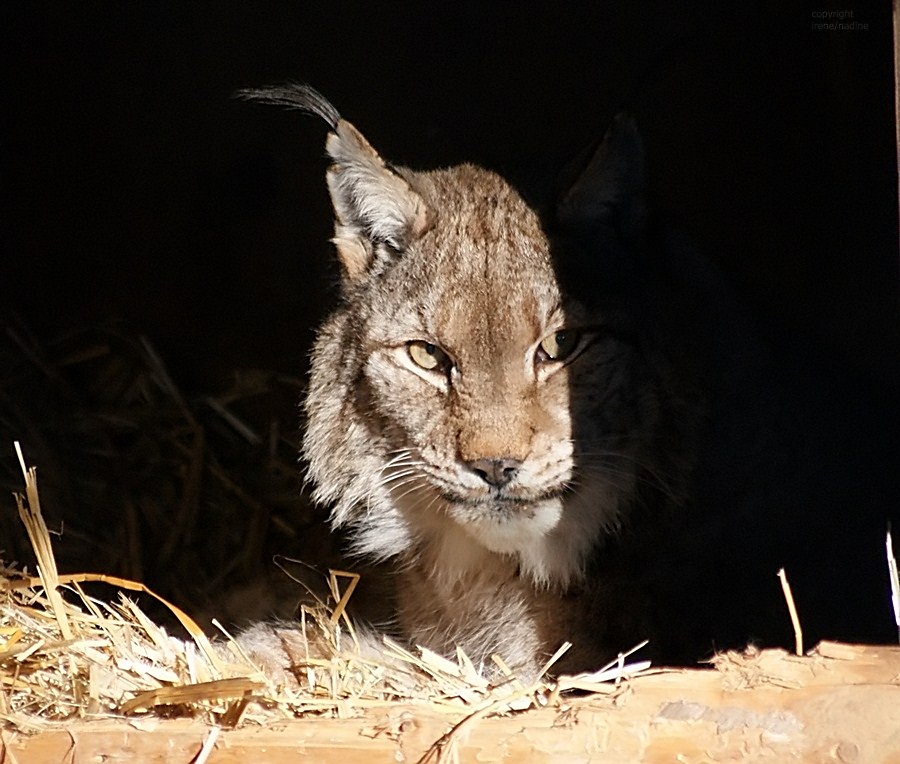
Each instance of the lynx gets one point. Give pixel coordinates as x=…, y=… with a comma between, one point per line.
x=499, y=406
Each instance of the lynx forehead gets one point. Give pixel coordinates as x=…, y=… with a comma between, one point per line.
x=459, y=281
x=467, y=416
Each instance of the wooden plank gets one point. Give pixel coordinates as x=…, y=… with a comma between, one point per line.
x=840, y=705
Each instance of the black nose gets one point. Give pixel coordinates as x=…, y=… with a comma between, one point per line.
x=496, y=472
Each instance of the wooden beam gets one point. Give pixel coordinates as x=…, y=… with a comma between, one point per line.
x=840, y=704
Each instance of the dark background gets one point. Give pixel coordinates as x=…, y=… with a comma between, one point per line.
x=135, y=187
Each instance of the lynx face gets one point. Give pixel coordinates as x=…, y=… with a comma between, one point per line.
x=469, y=358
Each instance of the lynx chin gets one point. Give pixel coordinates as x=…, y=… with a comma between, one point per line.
x=492, y=404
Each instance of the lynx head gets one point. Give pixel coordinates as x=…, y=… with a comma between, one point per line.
x=476, y=392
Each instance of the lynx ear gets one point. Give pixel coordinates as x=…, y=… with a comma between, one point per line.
x=609, y=190
x=372, y=203
x=374, y=206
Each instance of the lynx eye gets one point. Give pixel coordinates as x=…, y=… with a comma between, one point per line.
x=428, y=356
x=558, y=346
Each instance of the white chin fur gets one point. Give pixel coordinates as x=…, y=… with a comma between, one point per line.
x=513, y=535
x=550, y=545
x=540, y=542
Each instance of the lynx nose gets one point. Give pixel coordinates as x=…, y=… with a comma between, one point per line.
x=496, y=472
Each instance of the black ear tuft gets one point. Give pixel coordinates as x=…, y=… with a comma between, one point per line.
x=294, y=95
x=372, y=204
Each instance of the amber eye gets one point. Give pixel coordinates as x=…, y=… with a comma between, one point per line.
x=558, y=346
x=428, y=356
